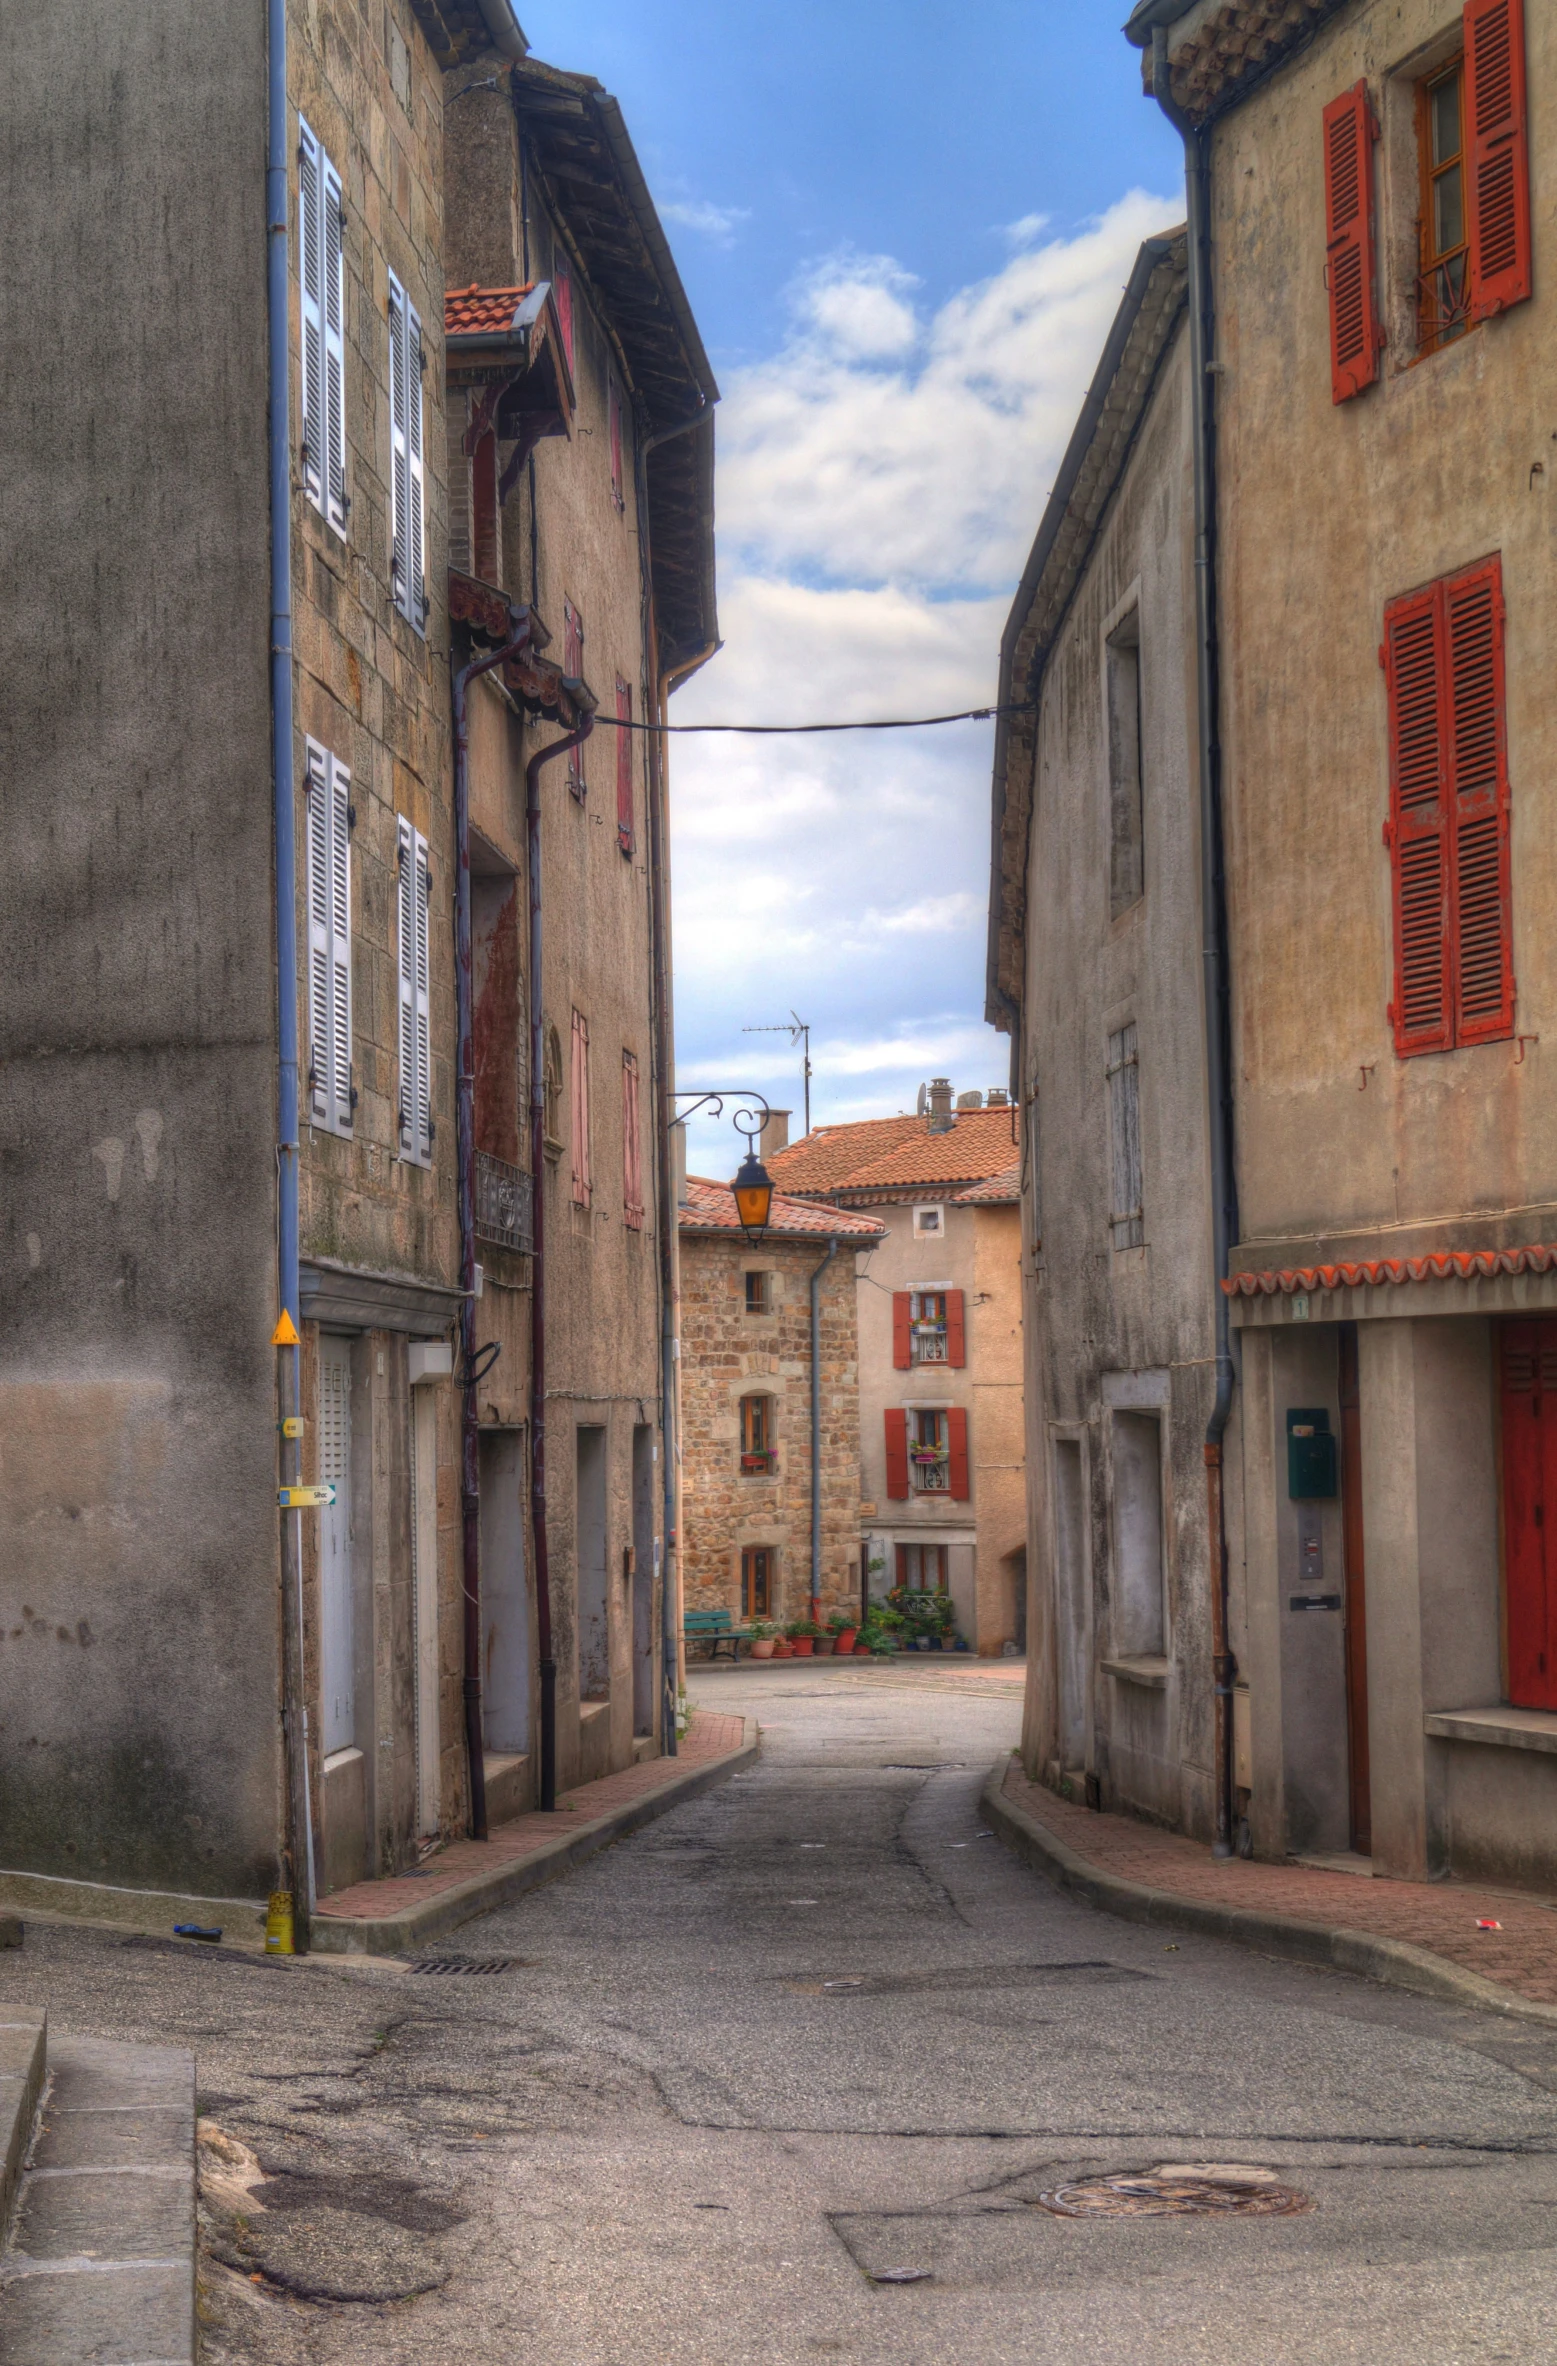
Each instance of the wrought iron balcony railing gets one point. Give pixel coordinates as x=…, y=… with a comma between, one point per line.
x=503, y=1204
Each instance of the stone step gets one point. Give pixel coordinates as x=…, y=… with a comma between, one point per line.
x=23, y=2045
x=100, y=2267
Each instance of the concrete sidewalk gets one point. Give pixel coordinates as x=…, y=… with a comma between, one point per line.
x=1418, y=1935
x=469, y=1877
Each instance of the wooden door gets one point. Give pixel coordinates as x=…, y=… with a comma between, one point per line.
x=1355, y=1597
x=1528, y=1375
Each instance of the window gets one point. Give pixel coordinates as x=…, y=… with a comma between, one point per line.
x=757, y=1448
x=759, y=1293
x=583, y=1187
x=330, y=818
x=1443, y=287
x=929, y=1223
x=413, y=894
x=921, y=1567
x=1528, y=1367
x=927, y=1328
x=553, y=1094
x=927, y=1451
x=573, y=670
x=1140, y=1626
x=408, y=581
x=1126, y=1219
x=1350, y=273
x=624, y=767
x=632, y=1150
x=1126, y=868
x=1448, y=826
x=757, y=1590
x=322, y=278
x=614, y=427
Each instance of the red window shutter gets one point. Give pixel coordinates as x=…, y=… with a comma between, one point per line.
x=897, y=1452
x=1482, y=965
x=1416, y=832
x=956, y=1334
x=1355, y=336
x=957, y=1455
x=1498, y=182
x=902, y=1332
x=624, y=768
x=1528, y=1357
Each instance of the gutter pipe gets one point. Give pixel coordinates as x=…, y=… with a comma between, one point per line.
x=1213, y=902
x=816, y=1428
x=289, y=1354
x=465, y=1140
x=532, y=809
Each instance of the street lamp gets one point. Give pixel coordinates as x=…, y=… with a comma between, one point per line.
x=753, y=1189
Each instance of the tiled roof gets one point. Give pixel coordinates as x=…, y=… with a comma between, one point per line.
x=481, y=312
x=710, y=1207
x=1001, y=1189
x=1465, y=1265
x=897, y=1154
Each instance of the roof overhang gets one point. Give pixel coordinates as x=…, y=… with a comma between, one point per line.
x=1511, y=1281
x=1218, y=50
x=459, y=30
x=1094, y=462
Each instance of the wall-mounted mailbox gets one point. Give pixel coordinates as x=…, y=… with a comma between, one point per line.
x=1311, y=1458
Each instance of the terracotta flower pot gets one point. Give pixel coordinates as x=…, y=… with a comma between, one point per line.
x=763, y=1647
x=783, y=1648
x=801, y=1646
x=862, y=1651
x=822, y=1645
x=844, y=1641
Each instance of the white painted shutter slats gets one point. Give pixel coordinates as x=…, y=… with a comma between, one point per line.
x=415, y=1011
x=399, y=481
x=423, y=899
x=413, y=411
x=311, y=280
x=340, y=945
x=329, y=940
x=334, y=260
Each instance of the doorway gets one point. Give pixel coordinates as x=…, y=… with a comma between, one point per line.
x=505, y=1599
x=337, y=1620
x=1355, y=1607
x=643, y=1579
x=1527, y=1374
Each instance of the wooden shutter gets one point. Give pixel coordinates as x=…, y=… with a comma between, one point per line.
x=1496, y=142
x=902, y=1331
x=580, y=1110
x=1528, y=1373
x=1482, y=965
x=310, y=273
x=624, y=767
x=632, y=1152
x=957, y=1486
x=319, y=1030
x=897, y=1452
x=956, y=1329
x=341, y=1093
x=399, y=469
x=405, y=962
x=1416, y=832
x=415, y=474
x=1349, y=261
x=334, y=258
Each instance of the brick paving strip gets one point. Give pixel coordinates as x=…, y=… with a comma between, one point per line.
x=397, y=1915
x=1410, y=1934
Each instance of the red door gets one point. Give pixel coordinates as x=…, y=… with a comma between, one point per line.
x=1528, y=1353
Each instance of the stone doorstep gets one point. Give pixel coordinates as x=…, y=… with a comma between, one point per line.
x=402, y=1932
x=23, y=2055
x=56, y=1899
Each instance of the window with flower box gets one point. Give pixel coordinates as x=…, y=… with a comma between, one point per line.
x=758, y=1455
x=928, y=1327
x=921, y=1567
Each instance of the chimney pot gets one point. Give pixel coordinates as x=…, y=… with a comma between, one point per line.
x=941, y=1119
x=775, y=1132
x=971, y=1100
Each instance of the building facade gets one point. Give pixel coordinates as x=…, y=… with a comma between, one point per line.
x=941, y=1503
x=748, y=1484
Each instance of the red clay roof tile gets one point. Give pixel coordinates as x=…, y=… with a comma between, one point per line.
x=897, y=1154
x=710, y=1207
x=480, y=312
x=997, y=1190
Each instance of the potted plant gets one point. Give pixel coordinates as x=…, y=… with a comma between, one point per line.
x=782, y=1646
x=764, y=1637
x=843, y=1630
x=802, y=1636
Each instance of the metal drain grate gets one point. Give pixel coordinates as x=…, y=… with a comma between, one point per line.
x=1178, y=2190
x=468, y=1966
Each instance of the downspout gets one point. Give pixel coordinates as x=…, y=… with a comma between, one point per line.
x=1213, y=903
x=816, y=1428
x=465, y=1152
x=532, y=811
x=288, y=1352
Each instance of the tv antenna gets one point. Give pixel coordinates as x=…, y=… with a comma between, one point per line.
x=799, y=1031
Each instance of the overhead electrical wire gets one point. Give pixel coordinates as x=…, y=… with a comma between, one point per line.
x=775, y=730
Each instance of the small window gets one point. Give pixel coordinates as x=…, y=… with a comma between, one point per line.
x=759, y=1293
x=583, y=1184
x=1126, y=847
x=1127, y=1222
x=929, y=1223
x=927, y=1315
x=573, y=668
x=921, y=1568
x=757, y=1593
x=757, y=1449
x=1444, y=287
x=929, y=1452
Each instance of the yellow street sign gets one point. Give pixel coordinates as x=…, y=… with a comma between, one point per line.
x=305, y=1499
x=285, y=1332
x=293, y=1425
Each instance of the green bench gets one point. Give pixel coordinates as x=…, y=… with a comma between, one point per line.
x=714, y=1628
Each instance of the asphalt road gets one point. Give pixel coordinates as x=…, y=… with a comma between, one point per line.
x=817, y=2028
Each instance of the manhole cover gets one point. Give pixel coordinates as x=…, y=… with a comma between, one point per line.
x=1178, y=2190
x=469, y=1966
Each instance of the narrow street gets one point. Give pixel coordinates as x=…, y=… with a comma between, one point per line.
x=811, y=2028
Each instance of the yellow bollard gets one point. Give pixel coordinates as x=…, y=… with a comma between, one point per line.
x=278, y=1924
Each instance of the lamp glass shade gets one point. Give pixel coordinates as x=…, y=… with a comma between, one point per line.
x=753, y=1189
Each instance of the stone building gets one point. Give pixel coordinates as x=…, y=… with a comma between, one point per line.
x=167, y=1636
x=746, y=1396
x=942, y=1493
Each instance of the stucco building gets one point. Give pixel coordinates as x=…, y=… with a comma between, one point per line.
x=749, y=1494
x=942, y=1504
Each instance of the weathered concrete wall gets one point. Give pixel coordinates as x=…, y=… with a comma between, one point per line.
x=727, y=1354
x=139, y=1625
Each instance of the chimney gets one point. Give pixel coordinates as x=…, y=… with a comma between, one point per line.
x=971, y=1100
x=775, y=1133
x=941, y=1119
x=998, y=1098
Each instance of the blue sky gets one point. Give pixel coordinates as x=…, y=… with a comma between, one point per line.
x=904, y=231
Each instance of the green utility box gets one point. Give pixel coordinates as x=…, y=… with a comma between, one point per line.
x=1311, y=1461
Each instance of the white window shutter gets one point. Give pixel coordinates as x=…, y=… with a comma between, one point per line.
x=399, y=480
x=310, y=272
x=334, y=258
x=319, y=1029
x=423, y=1002
x=414, y=362
x=405, y=939
x=340, y=946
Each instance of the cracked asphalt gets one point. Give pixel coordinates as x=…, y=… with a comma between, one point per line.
x=817, y=2028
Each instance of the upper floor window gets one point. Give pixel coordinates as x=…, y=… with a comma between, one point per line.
x=1126, y=864
x=1443, y=288
x=331, y=1094
x=1127, y=1218
x=407, y=503
x=929, y=1223
x=927, y=1451
x=759, y=1293
x=624, y=767
x=322, y=278
x=551, y=1118
x=927, y=1328
x=413, y=897
x=757, y=1449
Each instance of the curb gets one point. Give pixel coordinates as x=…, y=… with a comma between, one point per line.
x=1393, y=1962
x=403, y=1934
x=24, y=2041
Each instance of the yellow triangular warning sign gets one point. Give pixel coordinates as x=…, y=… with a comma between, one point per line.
x=285, y=1332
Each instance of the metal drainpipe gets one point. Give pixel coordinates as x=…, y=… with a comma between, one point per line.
x=532, y=783
x=289, y=1358
x=465, y=1152
x=816, y=1428
x=1213, y=903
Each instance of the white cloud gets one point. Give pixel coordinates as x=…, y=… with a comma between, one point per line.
x=1026, y=231
x=718, y=222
